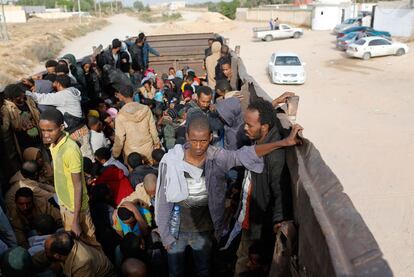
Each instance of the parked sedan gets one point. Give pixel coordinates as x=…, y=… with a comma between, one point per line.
x=286, y=68
x=350, y=22
x=369, y=31
x=343, y=42
x=352, y=29
x=368, y=47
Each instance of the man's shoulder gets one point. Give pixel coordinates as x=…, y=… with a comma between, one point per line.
x=69, y=147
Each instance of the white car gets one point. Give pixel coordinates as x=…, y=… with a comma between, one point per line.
x=284, y=31
x=286, y=68
x=368, y=47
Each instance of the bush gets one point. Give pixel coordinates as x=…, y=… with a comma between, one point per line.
x=227, y=9
x=165, y=17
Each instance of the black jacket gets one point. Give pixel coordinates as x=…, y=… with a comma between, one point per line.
x=271, y=198
x=136, y=52
x=106, y=57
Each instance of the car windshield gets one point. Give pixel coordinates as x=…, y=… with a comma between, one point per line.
x=349, y=21
x=287, y=60
x=360, y=42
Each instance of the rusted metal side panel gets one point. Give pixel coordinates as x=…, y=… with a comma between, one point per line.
x=333, y=239
x=179, y=51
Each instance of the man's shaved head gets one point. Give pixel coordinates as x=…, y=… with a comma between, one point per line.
x=30, y=170
x=150, y=181
x=134, y=268
x=198, y=122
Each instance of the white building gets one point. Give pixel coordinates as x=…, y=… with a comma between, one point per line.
x=395, y=17
x=176, y=5
x=328, y=13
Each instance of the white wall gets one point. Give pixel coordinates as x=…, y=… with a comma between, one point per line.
x=397, y=21
x=15, y=16
x=326, y=17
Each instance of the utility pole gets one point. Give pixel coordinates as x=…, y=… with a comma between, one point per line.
x=4, y=35
x=100, y=11
x=79, y=12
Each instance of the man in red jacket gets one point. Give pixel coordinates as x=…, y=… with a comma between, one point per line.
x=117, y=182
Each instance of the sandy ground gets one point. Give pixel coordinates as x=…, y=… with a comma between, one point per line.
x=38, y=40
x=357, y=113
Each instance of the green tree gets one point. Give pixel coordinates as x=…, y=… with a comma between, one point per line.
x=226, y=8
x=139, y=5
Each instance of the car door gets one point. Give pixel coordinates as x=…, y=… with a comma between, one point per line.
x=271, y=64
x=376, y=48
x=285, y=31
x=388, y=47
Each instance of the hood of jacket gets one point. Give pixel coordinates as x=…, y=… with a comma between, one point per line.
x=73, y=91
x=71, y=58
x=134, y=111
x=230, y=111
x=86, y=60
x=216, y=47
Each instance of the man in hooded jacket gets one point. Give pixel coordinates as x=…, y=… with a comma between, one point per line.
x=211, y=62
x=135, y=127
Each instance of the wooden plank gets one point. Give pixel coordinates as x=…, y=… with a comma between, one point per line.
x=181, y=37
x=168, y=43
x=174, y=58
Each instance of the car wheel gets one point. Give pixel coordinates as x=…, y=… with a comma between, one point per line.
x=296, y=35
x=400, y=52
x=366, y=56
x=268, y=38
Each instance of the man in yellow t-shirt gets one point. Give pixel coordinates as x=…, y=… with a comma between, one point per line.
x=68, y=177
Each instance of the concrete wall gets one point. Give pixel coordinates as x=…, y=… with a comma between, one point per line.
x=58, y=15
x=15, y=14
x=297, y=17
x=396, y=20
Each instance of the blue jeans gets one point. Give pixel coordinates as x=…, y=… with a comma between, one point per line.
x=201, y=244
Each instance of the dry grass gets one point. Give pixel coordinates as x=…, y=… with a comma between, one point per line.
x=37, y=41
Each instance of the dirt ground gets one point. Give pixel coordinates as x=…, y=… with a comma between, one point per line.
x=357, y=113
x=36, y=41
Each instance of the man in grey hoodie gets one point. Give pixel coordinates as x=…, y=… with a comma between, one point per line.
x=67, y=100
x=194, y=176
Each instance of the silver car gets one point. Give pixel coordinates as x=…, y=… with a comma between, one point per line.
x=350, y=22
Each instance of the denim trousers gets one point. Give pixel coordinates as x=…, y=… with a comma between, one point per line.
x=201, y=245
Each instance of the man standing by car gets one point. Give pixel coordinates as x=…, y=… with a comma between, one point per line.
x=266, y=196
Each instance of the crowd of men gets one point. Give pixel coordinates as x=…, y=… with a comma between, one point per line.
x=130, y=172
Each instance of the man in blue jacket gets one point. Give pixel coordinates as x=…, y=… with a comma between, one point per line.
x=146, y=50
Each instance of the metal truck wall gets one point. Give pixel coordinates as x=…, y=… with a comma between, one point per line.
x=333, y=239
